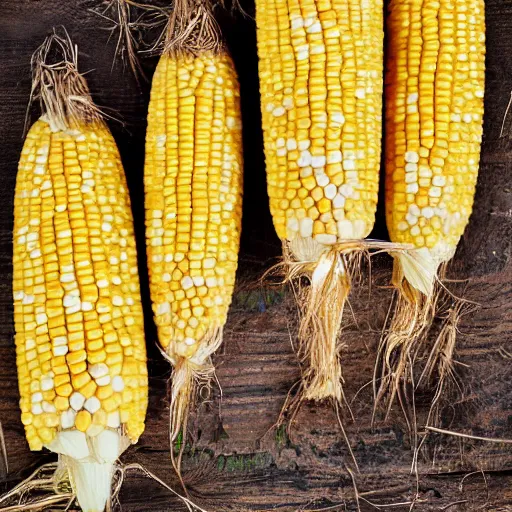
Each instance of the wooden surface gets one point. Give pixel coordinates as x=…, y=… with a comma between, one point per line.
x=234, y=461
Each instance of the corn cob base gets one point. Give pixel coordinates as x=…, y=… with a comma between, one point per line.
x=403, y=342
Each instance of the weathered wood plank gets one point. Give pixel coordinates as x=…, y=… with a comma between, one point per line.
x=234, y=463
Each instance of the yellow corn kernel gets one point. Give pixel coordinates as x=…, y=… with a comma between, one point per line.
x=83, y=420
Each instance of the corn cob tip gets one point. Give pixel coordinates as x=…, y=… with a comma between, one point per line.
x=90, y=463
x=62, y=91
x=415, y=275
x=182, y=394
x=192, y=28
x=84, y=471
x=402, y=345
x=86, y=476
x=188, y=374
x=417, y=285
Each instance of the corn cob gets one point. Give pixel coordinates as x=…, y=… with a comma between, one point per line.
x=434, y=94
x=193, y=181
x=320, y=69
x=77, y=309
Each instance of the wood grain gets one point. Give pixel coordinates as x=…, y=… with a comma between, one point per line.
x=235, y=461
